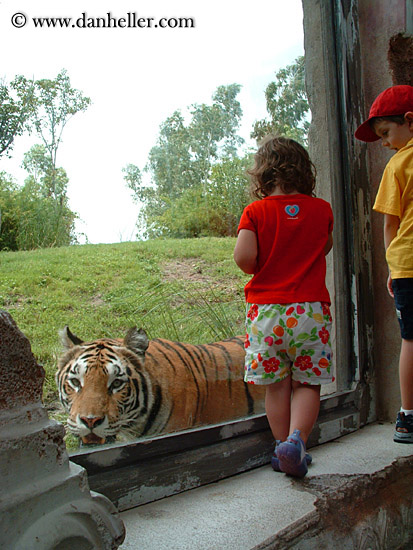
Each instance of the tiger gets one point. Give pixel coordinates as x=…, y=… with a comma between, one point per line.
x=117, y=389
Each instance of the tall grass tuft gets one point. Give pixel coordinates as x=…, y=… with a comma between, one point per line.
x=190, y=313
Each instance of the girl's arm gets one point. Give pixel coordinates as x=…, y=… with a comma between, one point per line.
x=329, y=244
x=246, y=251
x=391, y=226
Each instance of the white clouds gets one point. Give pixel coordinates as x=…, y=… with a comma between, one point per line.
x=138, y=77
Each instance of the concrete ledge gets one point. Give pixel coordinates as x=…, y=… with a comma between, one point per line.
x=357, y=494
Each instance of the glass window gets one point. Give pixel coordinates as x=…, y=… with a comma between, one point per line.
x=141, y=471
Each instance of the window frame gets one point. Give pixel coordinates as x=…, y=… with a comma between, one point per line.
x=142, y=471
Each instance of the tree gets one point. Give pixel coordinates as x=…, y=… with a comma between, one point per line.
x=213, y=209
x=41, y=223
x=171, y=163
x=46, y=185
x=228, y=191
x=52, y=181
x=38, y=214
x=56, y=103
x=17, y=106
x=133, y=178
x=287, y=105
x=184, y=155
x=141, y=195
x=176, y=203
x=29, y=218
x=213, y=130
x=9, y=212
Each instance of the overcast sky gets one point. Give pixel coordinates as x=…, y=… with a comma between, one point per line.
x=136, y=78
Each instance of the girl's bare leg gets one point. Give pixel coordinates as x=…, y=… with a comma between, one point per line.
x=277, y=407
x=305, y=406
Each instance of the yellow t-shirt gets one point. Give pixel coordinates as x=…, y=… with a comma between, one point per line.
x=395, y=197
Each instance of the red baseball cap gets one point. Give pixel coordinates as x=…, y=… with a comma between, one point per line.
x=396, y=100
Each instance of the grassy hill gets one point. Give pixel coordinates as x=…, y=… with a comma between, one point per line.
x=188, y=290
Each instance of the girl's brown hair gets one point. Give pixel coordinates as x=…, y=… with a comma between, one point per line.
x=282, y=162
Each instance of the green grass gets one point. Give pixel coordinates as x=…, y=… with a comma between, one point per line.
x=188, y=290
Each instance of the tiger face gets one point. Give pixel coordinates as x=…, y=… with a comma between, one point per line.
x=97, y=385
x=130, y=387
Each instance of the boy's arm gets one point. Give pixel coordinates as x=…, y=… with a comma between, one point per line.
x=246, y=251
x=390, y=228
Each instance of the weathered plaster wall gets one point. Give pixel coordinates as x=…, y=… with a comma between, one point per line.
x=378, y=21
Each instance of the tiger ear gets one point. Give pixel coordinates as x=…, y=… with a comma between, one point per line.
x=68, y=339
x=136, y=340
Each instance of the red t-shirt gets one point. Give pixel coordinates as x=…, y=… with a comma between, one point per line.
x=292, y=231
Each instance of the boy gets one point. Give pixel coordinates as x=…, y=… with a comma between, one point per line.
x=391, y=120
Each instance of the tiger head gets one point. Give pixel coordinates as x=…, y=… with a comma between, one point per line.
x=98, y=386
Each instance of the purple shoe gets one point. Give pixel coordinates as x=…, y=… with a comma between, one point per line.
x=275, y=463
x=274, y=459
x=292, y=456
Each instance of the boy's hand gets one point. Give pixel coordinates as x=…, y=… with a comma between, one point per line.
x=389, y=286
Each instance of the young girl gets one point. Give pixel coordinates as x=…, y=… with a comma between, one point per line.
x=282, y=240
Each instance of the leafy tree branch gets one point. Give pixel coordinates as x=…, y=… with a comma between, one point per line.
x=287, y=105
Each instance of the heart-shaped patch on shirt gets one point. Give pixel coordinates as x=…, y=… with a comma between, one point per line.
x=292, y=209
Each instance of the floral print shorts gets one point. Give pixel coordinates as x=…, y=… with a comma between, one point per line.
x=288, y=339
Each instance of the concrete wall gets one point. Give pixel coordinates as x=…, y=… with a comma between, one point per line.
x=379, y=20
x=45, y=502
